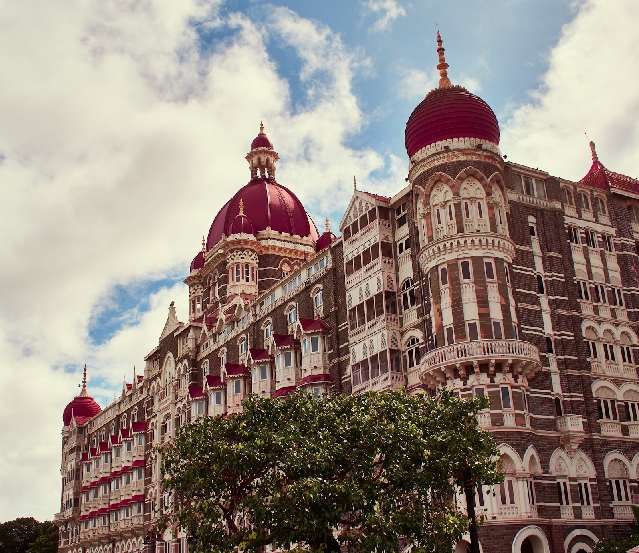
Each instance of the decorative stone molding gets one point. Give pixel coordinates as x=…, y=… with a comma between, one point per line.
x=463, y=245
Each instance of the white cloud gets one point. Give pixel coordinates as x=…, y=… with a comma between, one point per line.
x=121, y=138
x=590, y=85
x=386, y=12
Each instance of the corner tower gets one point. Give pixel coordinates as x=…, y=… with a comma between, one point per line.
x=466, y=254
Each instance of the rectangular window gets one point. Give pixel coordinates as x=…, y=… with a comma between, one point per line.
x=591, y=239
x=507, y=492
x=237, y=386
x=498, y=331
x=262, y=372
x=400, y=215
x=583, y=290
x=443, y=276
x=479, y=391
x=574, y=235
x=532, y=230
x=471, y=330
x=403, y=245
x=609, y=352
x=465, y=269
x=489, y=267
x=600, y=293
x=607, y=409
x=626, y=354
x=633, y=410
x=450, y=335
x=218, y=398
x=592, y=349
x=532, y=499
x=315, y=344
x=288, y=359
x=529, y=186
x=564, y=492
x=506, y=401
x=607, y=241
x=619, y=490
x=617, y=297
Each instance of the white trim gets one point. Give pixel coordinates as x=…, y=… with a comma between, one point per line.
x=530, y=531
x=579, y=532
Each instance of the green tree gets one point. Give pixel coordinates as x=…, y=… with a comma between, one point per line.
x=47, y=540
x=367, y=472
x=623, y=544
x=17, y=535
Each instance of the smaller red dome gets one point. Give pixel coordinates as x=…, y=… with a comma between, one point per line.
x=198, y=261
x=324, y=241
x=81, y=408
x=261, y=140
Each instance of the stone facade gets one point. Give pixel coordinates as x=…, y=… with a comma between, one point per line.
x=484, y=276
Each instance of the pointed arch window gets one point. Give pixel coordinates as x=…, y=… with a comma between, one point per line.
x=408, y=294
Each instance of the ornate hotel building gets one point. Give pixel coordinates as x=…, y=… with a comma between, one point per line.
x=484, y=276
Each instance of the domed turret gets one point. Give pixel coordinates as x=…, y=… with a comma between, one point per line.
x=266, y=204
x=449, y=112
x=326, y=239
x=83, y=406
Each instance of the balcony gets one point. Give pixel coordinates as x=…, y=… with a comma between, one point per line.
x=623, y=512
x=633, y=428
x=477, y=243
x=566, y=512
x=587, y=512
x=612, y=368
x=385, y=381
x=571, y=428
x=610, y=428
x=484, y=420
x=439, y=365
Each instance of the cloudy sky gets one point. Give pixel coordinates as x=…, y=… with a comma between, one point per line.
x=123, y=126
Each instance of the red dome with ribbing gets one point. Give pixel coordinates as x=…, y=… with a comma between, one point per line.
x=266, y=204
x=81, y=408
x=447, y=113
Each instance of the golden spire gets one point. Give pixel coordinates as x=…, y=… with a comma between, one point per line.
x=442, y=66
x=83, y=391
x=241, y=212
x=593, y=151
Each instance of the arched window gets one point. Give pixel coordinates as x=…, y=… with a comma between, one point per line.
x=291, y=314
x=618, y=484
x=584, y=202
x=499, y=211
x=408, y=294
x=600, y=205
x=474, y=212
x=567, y=196
x=318, y=298
x=267, y=331
x=243, y=345
x=412, y=355
x=443, y=211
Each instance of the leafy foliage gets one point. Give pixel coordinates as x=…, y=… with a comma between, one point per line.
x=624, y=544
x=363, y=471
x=22, y=535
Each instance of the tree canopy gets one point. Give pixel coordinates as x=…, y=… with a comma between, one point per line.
x=371, y=472
x=26, y=534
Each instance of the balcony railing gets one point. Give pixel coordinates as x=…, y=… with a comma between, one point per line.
x=566, y=511
x=587, y=511
x=612, y=368
x=610, y=428
x=623, y=512
x=633, y=428
x=523, y=356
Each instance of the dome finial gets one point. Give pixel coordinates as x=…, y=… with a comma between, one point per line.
x=442, y=66
x=327, y=225
x=261, y=127
x=241, y=212
x=84, y=392
x=593, y=151
x=203, y=244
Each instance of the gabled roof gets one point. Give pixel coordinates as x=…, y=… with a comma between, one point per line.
x=284, y=341
x=233, y=370
x=599, y=176
x=259, y=355
x=214, y=381
x=313, y=325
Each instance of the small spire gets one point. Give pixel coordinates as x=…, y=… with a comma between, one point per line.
x=442, y=66
x=593, y=151
x=83, y=391
x=241, y=212
x=261, y=127
x=203, y=244
x=327, y=225
x=354, y=183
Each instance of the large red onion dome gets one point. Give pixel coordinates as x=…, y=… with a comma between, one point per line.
x=263, y=203
x=449, y=112
x=83, y=407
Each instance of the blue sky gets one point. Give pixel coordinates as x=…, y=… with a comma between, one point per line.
x=502, y=45
x=125, y=126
